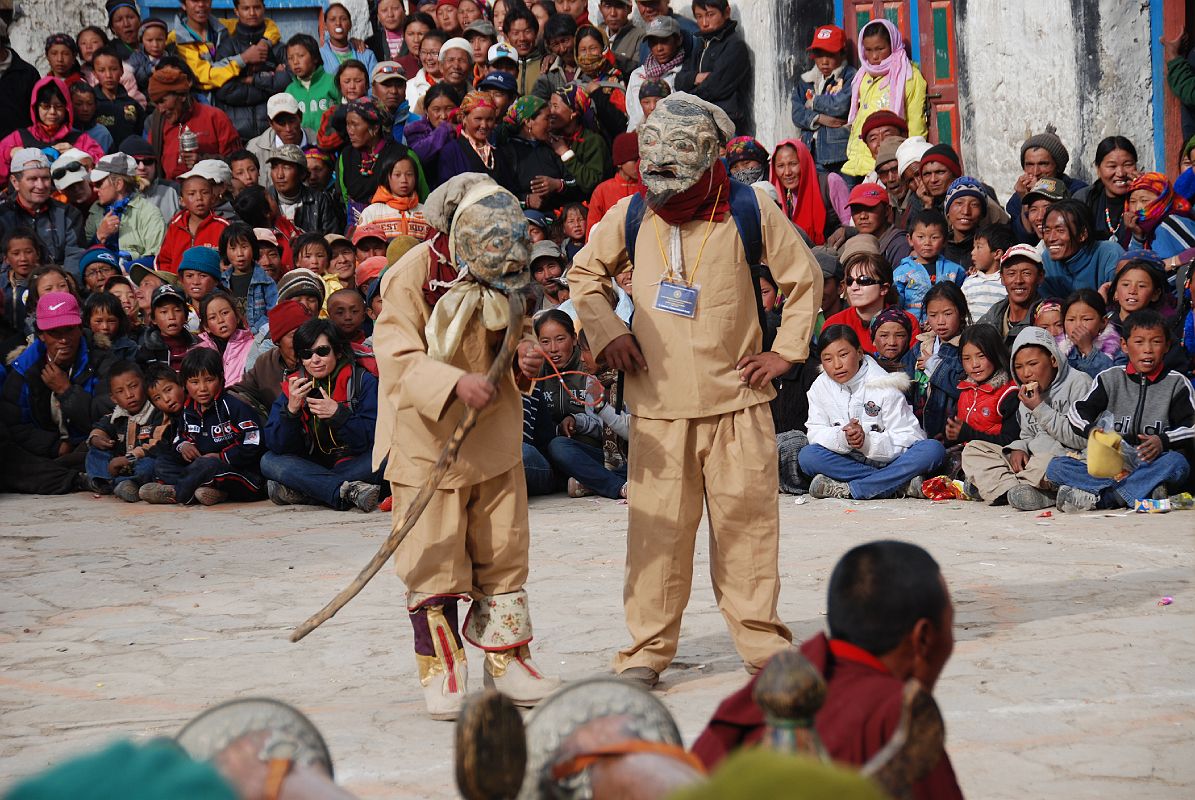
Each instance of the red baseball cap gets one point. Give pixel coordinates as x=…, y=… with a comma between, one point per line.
x=868, y=194
x=830, y=38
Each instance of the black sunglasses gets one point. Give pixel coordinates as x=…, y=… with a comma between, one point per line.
x=862, y=280
x=59, y=172
x=323, y=351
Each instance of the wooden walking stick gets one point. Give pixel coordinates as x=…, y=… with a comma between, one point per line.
x=502, y=362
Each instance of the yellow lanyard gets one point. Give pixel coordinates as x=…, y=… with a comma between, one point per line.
x=669, y=272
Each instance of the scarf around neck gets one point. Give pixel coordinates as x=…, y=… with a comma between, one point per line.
x=709, y=198
x=654, y=69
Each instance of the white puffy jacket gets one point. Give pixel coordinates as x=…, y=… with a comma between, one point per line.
x=876, y=398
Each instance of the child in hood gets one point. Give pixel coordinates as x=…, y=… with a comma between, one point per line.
x=53, y=123
x=1015, y=474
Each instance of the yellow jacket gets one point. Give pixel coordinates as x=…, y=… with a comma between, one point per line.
x=873, y=95
x=200, y=56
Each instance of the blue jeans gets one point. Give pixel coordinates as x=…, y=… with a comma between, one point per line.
x=318, y=482
x=541, y=478
x=96, y=464
x=586, y=464
x=1170, y=467
x=868, y=479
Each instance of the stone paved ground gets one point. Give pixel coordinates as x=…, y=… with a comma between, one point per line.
x=1068, y=680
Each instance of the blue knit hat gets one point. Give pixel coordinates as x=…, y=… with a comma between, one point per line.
x=101, y=254
x=965, y=187
x=202, y=259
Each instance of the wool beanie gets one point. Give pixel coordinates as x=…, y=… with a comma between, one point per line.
x=965, y=187
x=943, y=154
x=299, y=282
x=885, y=117
x=626, y=148
x=1049, y=142
x=285, y=317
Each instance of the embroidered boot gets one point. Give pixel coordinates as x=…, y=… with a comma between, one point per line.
x=501, y=626
x=439, y=654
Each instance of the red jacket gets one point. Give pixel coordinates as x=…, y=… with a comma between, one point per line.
x=979, y=406
x=179, y=239
x=861, y=711
x=605, y=195
x=217, y=137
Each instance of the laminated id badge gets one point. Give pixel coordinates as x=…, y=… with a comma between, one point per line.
x=677, y=298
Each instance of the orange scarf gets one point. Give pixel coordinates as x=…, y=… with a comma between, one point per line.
x=384, y=195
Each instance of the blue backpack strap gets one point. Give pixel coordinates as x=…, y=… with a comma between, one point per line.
x=634, y=220
x=744, y=207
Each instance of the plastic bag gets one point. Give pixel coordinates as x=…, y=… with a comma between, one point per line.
x=1104, y=458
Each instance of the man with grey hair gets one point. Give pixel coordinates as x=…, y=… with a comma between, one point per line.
x=698, y=379
x=58, y=225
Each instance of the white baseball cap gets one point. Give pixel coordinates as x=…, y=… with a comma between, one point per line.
x=68, y=169
x=24, y=158
x=456, y=43
x=211, y=168
x=282, y=103
x=500, y=51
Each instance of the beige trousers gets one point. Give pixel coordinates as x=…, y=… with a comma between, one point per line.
x=472, y=540
x=728, y=464
x=985, y=464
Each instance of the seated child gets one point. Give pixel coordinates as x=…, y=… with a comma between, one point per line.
x=1048, y=317
x=225, y=331
x=572, y=225
x=1016, y=473
x=122, y=115
x=270, y=253
x=124, y=290
x=199, y=274
x=934, y=362
x=254, y=290
x=1089, y=342
x=217, y=443
x=313, y=252
x=346, y=311
x=983, y=286
x=868, y=288
x=153, y=35
x=117, y=449
x=193, y=225
x=926, y=265
x=892, y=335
x=22, y=251
x=104, y=319
x=396, y=208
x=1153, y=409
x=864, y=441
x=167, y=340
x=987, y=402
x=314, y=89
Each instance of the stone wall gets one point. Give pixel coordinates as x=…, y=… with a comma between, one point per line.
x=1082, y=66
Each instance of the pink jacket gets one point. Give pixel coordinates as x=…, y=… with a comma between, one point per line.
x=17, y=138
x=239, y=354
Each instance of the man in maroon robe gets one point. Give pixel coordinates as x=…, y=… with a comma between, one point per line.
x=891, y=619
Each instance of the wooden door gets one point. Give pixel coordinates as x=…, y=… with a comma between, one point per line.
x=939, y=65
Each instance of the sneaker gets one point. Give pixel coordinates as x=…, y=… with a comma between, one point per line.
x=914, y=488
x=99, y=486
x=575, y=489
x=209, y=496
x=1028, y=498
x=284, y=495
x=822, y=488
x=1159, y=492
x=361, y=494
x=160, y=494
x=128, y=491
x=623, y=492
x=970, y=490
x=82, y=482
x=1076, y=501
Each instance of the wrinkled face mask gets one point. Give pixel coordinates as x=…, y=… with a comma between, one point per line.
x=491, y=240
x=747, y=172
x=677, y=144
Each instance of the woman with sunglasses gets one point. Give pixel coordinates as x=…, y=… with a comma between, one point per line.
x=320, y=431
x=868, y=290
x=53, y=123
